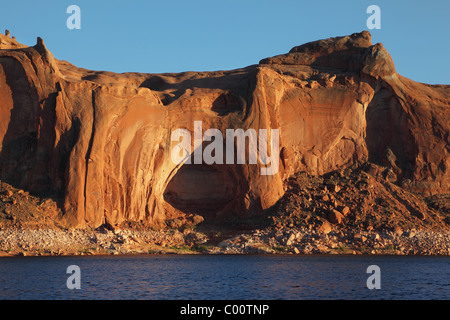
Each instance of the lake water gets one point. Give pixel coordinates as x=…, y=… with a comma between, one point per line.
x=225, y=277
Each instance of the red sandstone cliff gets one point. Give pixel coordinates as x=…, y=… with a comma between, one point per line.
x=101, y=141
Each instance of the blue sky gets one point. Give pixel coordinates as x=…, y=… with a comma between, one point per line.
x=206, y=35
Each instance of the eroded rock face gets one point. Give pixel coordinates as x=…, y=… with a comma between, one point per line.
x=102, y=141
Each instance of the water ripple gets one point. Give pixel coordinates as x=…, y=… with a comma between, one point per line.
x=198, y=277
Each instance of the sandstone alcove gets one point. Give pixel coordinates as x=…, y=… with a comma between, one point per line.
x=202, y=189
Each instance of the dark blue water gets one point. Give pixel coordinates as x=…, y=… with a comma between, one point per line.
x=223, y=277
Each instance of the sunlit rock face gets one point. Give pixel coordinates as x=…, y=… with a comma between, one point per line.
x=103, y=142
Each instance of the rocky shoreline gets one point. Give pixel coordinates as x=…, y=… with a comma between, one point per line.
x=349, y=212
x=63, y=242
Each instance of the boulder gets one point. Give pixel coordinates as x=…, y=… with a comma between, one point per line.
x=326, y=227
x=345, y=210
x=197, y=219
x=359, y=237
x=397, y=230
x=335, y=217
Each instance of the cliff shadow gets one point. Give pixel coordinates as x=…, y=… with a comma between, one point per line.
x=27, y=158
x=20, y=141
x=388, y=137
